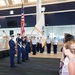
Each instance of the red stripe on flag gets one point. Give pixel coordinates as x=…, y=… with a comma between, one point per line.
x=22, y=22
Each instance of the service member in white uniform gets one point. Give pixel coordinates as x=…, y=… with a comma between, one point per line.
x=55, y=43
x=40, y=43
x=38, y=46
x=48, y=42
x=34, y=45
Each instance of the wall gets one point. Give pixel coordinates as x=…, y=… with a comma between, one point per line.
x=59, y=19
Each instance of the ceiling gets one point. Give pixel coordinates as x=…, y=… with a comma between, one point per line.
x=16, y=3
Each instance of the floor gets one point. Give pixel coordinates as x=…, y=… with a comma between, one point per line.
x=45, y=55
x=42, y=65
x=39, y=64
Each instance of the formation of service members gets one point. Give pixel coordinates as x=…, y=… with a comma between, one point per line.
x=25, y=45
x=36, y=45
x=22, y=48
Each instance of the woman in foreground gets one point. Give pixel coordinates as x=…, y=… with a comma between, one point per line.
x=69, y=61
x=67, y=37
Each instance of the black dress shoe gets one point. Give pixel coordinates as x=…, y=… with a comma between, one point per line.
x=23, y=61
x=18, y=62
x=34, y=54
x=27, y=59
x=13, y=66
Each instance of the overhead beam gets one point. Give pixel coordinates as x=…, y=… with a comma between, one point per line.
x=7, y=3
x=10, y=2
x=25, y=1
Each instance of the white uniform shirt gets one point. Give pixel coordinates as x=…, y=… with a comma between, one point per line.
x=55, y=42
x=40, y=41
x=34, y=41
x=48, y=41
x=4, y=35
x=37, y=40
x=28, y=40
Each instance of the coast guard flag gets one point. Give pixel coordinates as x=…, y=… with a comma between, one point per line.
x=22, y=21
x=40, y=27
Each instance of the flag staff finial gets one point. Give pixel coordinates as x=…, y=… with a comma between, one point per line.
x=22, y=1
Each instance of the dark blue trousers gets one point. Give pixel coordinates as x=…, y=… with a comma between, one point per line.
x=23, y=54
x=27, y=53
x=38, y=47
x=12, y=55
x=41, y=49
x=34, y=49
x=19, y=54
x=48, y=48
x=55, y=49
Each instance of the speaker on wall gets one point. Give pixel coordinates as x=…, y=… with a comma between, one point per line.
x=11, y=32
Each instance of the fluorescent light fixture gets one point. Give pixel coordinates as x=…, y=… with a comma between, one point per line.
x=11, y=12
x=43, y=9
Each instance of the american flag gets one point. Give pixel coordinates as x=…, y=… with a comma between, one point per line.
x=22, y=21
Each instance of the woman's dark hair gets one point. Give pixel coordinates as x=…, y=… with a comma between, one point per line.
x=68, y=37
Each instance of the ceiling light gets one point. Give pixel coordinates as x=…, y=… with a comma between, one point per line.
x=11, y=12
x=43, y=9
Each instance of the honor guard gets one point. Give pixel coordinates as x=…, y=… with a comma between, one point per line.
x=29, y=44
x=12, y=51
x=23, y=49
x=27, y=48
x=19, y=48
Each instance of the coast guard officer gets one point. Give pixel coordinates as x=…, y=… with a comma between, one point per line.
x=12, y=51
x=27, y=48
x=19, y=48
x=29, y=44
x=23, y=49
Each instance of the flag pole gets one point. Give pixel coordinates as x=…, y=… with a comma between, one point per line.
x=31, y=32
x=22, y=20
